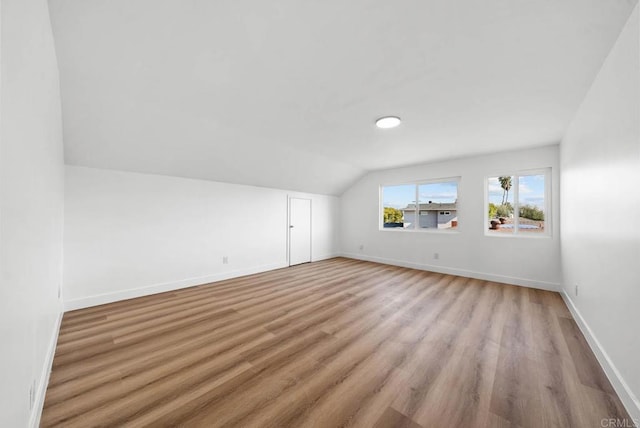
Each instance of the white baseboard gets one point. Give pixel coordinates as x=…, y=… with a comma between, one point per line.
x=459, y=272
x=130, y=293
x=324, y=257
x=41, y=389
x=628, y=398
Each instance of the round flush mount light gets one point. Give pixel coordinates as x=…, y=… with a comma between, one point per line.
x=387, y=122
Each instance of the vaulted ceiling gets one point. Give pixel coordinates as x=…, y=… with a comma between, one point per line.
x=284, y=93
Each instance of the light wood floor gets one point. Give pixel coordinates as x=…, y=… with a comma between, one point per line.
x=330, y=344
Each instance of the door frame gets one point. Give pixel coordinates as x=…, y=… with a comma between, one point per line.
x=289, y=198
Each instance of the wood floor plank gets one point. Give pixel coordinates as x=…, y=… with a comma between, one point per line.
x=461, y=394
x=585, y=362
x=335, y=343
x=394, y=419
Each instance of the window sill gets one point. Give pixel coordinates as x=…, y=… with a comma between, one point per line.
x=431, y=231
x=519, y=235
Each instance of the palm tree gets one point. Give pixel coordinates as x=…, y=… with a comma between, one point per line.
x=505, y=183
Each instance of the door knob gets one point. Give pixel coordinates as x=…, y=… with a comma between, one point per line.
x=290, y=226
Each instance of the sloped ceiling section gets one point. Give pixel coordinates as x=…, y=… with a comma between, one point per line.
x=284, y=93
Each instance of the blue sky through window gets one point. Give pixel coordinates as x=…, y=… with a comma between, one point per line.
x=398, y=196
x=530, y=190
x=402, y=195
x=439, y=192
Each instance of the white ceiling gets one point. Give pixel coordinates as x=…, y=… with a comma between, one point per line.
x=284, y=93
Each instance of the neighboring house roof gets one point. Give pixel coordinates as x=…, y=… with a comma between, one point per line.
x=431, y=207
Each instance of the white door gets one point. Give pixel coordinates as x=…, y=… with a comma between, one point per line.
x=299, y=231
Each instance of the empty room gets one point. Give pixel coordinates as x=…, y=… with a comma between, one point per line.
x=419, y=214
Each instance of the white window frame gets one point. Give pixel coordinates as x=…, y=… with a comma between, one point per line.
x=516, y=204
x=417, y=185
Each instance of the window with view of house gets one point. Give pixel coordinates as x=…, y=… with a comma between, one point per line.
x=431, y=205
x=517, y=204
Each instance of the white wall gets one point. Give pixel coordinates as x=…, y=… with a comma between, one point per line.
x=31, y=210
x=129, y=234
x=600, y=163
x=533, y=261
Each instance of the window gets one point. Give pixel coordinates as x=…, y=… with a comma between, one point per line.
x=518, y=204
x=431, y=205
x=395, y=199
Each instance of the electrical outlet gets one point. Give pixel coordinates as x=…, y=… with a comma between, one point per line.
x=225, y=260
x=576, y=290
x=32, y=394
x=436, y=256
x=361, y=247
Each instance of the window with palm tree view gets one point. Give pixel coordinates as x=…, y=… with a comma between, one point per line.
x=421, y=206
x=517, y=204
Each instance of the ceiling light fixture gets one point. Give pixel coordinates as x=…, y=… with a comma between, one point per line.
x=387, y=122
